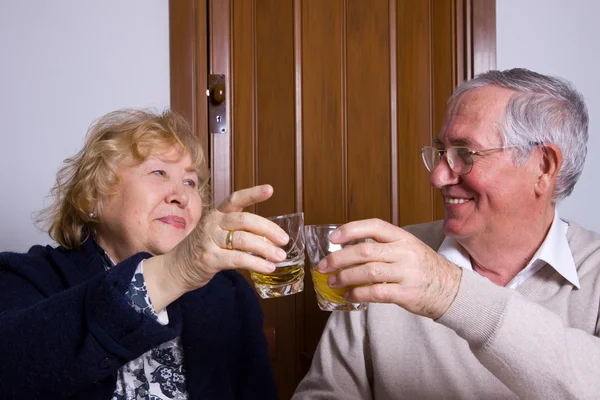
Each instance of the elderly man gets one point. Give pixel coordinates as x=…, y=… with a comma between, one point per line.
x=501, y=299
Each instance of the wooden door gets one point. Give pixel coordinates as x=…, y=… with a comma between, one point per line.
x=330, y=102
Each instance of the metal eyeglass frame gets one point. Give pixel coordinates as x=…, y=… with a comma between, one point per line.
x=469, y=151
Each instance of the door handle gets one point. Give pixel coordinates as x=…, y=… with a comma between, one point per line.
x=217, y=104
x=217, y=94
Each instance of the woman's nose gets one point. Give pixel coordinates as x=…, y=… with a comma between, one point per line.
x=178, y=196
x=442, y=175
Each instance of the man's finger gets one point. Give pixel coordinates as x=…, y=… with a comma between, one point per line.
x=241, y=199
x=365, y=274
x=363, y=253
x=376, y=229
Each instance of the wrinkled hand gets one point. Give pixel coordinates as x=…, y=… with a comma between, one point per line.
x=203, y=253
x=397, y=268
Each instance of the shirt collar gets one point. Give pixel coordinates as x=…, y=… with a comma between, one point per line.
x=554, y=250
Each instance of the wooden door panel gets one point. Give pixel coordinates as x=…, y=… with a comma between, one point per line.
x=188, y=43
x=368, y=115
x=415, y=200
x=243, y=92
x=274, y=104
x=323, y=136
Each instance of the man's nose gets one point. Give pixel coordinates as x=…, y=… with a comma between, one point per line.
x=442, y=175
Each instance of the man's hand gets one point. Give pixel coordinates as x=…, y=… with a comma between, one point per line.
x=397, y=268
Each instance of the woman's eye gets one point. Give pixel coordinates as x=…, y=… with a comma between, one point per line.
x=159, y=172
x=190, y=182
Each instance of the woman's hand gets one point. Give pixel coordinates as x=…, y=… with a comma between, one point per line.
x=204, y=252
x=397, y=268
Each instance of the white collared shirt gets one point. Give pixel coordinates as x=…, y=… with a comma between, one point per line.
x=554, y=251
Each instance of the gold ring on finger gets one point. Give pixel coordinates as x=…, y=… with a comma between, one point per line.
x=229, y=240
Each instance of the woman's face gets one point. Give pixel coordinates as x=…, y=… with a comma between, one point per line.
x=156, y=205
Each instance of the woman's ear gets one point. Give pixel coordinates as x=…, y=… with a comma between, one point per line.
x=550, y=164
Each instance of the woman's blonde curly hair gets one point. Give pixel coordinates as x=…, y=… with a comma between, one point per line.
x=88, y=179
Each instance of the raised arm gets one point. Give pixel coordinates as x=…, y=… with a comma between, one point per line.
x=541, y=342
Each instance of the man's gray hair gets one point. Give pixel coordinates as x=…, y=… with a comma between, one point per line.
x=544, y=109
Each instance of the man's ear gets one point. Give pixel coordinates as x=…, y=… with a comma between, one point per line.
x=550, y=164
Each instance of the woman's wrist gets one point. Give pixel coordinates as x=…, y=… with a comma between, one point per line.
x=161, y=287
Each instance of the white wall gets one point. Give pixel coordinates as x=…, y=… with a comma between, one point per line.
x=64, y=63
x=560, y=37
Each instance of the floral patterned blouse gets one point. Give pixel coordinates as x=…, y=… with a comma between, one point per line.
x=159, y=373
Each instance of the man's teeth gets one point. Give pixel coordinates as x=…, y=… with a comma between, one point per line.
x=451, y=200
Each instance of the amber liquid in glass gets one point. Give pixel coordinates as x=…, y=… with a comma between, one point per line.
x=285, y=280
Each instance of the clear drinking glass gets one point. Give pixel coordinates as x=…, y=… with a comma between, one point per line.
x=288, y=277
x=318, y=247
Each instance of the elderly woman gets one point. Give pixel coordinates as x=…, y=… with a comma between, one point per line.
x=140, y=299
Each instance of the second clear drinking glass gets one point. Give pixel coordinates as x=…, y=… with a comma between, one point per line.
x=318, y=247
x=288, y=277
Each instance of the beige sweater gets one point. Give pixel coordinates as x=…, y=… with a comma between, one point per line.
x=539, y=341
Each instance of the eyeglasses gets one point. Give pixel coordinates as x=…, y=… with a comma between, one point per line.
x=460, y=159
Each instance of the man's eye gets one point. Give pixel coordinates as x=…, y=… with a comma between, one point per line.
x=190, y=182
x=463, y=152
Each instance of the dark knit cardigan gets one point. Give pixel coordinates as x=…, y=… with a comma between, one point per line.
x=66, y=328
